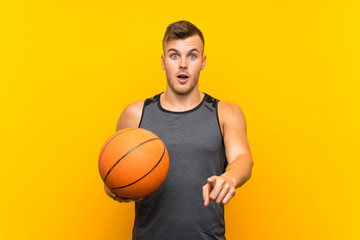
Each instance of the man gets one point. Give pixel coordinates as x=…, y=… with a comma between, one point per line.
x=202, y=135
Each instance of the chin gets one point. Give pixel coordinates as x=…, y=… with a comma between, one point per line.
x=182, y=92
x=182, y=89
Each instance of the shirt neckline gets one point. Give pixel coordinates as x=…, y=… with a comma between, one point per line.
x=180, y=112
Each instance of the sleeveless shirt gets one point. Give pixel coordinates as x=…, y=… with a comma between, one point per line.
x=196, y=152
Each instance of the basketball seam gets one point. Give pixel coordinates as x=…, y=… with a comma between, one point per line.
x=144, y=175
x=125, y=130
x=113, y=166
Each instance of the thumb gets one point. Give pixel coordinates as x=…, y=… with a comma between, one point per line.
x=212, y=180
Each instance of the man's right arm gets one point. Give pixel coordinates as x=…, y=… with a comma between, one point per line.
x=130, y=117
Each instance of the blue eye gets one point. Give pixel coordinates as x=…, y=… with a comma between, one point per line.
x=173, y=55
x=192, y=56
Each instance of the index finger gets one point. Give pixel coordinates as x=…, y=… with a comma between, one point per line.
x=206, y=193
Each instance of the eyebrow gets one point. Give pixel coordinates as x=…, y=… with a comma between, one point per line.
x=192, y=50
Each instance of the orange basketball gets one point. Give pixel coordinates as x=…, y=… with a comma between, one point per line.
x=133, y=163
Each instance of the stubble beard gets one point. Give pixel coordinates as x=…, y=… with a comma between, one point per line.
x=173, y=84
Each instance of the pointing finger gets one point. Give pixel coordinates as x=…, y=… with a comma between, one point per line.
x=206, y=193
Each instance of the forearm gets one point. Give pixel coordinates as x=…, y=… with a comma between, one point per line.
x=239, y=170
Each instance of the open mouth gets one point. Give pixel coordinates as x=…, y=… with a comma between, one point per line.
x=183, y=76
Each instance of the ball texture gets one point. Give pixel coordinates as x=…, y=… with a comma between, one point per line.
x=133, y=163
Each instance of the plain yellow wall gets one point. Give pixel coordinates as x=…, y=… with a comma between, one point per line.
x=68, y=68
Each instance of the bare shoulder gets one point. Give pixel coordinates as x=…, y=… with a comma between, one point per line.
x=131, y=115
x=229, y=111
x=231, y=117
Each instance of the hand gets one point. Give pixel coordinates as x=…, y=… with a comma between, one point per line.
x=219, y=189
x=116, y=197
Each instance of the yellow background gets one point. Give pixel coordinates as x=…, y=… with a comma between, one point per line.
x=68, y=68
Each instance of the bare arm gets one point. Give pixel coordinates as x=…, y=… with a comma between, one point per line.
x=236, y=144
x=130, y=117
x=233, y=125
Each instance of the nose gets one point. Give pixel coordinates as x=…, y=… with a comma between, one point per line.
x=183, y=63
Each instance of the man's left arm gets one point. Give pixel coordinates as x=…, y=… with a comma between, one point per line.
x=221, y=189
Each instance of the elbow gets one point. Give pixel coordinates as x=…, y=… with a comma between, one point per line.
x=251, y=165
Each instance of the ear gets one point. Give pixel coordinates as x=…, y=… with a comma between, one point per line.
x=203, y=62
x=163, y=61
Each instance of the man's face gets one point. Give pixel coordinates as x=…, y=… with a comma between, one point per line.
x=183, y=60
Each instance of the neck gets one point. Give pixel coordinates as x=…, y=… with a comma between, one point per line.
x=176, y=102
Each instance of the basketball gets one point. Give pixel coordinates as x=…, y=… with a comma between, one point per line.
x=133, y=163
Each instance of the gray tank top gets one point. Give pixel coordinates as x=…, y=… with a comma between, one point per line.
x=196, y=152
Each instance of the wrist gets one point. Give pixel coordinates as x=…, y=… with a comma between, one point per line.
x=229, y=179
